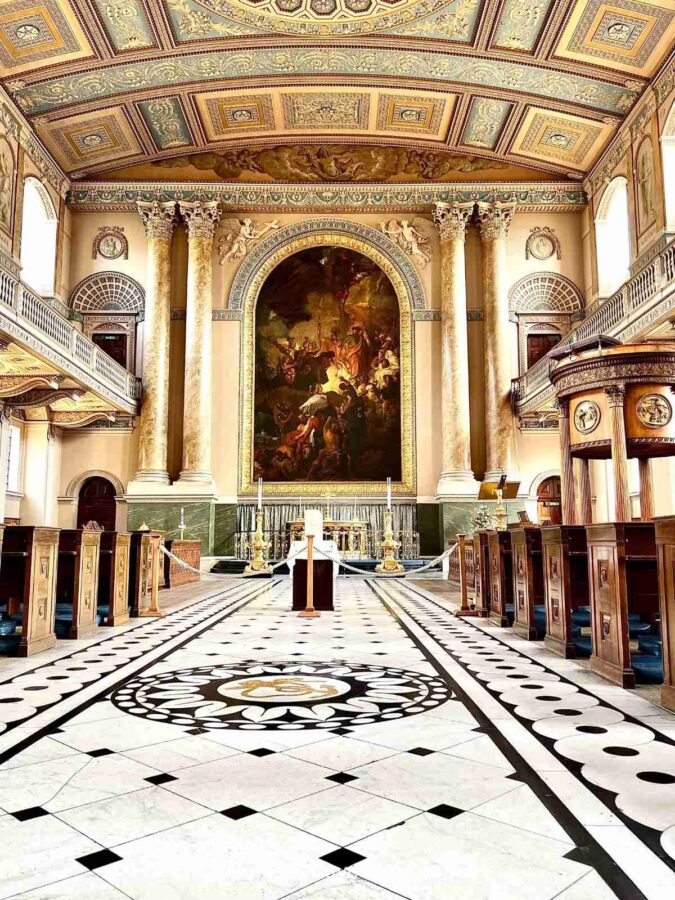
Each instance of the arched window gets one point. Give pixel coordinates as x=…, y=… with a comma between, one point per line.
x=38, y=238
x=612, y=238
x=668, y=147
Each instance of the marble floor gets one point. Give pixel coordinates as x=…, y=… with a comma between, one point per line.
x=385, y=750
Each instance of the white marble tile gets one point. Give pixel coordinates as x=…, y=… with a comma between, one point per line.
x=343, y=814
x=132, y=816
x=417, y=731
x=36, y=784
x=80, y=887
x=524, y=810
x=481, y=749
x=342, y=753
x=174, y=755
x=427, y=781
x=428, y=857
x=41, y=751
x=255, y=858
x=250, y=781
x=39, y=852
x=343, y=886
x=110, y=734
x=588, y=887
x=99, y=779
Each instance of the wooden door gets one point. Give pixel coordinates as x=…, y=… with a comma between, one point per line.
x=97, y=503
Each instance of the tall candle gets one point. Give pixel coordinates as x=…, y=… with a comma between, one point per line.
x=260, y=493
x=389, y=493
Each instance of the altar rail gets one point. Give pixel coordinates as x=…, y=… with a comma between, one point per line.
x=30, y=321
x=280, y=543
x=645, y=299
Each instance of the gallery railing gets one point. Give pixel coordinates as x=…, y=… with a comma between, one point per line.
x=351, y=544
x=28, y=319
x=644, y=300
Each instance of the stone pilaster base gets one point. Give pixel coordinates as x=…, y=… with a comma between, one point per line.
x=457, y=484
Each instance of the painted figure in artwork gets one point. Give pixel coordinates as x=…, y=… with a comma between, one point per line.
x=6, y=175
x=327, y=378
x=645, y=179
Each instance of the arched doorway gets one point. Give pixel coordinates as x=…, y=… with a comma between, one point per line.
x=548, y=501
x=97, y=503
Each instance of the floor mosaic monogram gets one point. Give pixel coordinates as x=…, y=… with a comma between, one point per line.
x=286, y=695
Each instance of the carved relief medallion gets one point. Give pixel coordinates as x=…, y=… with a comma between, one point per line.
x=654, y=410
x=586, y=416
x=542, y=244
x=110, y=243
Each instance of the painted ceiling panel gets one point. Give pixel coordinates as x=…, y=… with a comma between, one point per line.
x=153, y=77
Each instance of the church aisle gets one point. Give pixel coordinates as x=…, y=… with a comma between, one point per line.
x=233, y=749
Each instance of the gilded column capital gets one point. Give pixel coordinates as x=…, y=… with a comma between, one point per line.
x=616, y=394
x=201, y=217
x=452, y=219
x=158, y=218
x=494, y=219
x=562, y=404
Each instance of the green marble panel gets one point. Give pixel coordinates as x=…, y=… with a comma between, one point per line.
x=428, y=522
x=456, y=516
x=166, y=516
x=224, y=528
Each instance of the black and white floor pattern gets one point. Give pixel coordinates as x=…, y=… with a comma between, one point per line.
x=385, y=750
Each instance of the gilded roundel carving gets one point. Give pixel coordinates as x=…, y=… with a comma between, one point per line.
x=586, y=416
x=654, y=410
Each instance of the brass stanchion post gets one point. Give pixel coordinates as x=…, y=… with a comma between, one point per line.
x=309, y=612
x=153, y=609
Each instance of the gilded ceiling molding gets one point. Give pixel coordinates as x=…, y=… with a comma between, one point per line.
x=16, y=126
x=450, y=69
x=278, y=198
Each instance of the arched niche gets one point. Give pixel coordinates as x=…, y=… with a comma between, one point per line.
x=668, y=157
x=245, y=294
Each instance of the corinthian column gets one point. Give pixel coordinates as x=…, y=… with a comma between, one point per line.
x=456, y=474
x=159, y=220
x=622, y=506
x=201, y=220
x=494, y=220
x=568, y=507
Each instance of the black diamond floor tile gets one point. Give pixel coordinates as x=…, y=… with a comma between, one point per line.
x=421, y=751
x=342, y=858
x=98, y=859
x=162, y=778
x=445, y=811
x=102, y=751
x=32, y=812
x=261, y=751
x=341, y=778
x=238, y=812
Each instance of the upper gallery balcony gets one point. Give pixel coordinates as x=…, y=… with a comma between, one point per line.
x=640, y=307
x=48, y=351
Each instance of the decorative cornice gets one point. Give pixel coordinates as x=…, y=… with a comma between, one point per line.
x=452, y=219
x=241, y=197
x=17, y=127
x=201, y=217
x=494, y=219
x=158, y=218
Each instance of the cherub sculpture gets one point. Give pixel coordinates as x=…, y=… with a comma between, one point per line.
x=410, y=237
x=239, y=236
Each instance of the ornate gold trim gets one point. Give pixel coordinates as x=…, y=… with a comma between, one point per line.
x=408, y=485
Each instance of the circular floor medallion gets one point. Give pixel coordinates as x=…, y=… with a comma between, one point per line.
x=281, y=695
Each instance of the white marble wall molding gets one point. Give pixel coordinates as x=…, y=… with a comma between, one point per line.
x=626, y=766
x=36, y=702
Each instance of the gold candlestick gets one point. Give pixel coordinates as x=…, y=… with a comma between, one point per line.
x=259, y=545
x=389, y=565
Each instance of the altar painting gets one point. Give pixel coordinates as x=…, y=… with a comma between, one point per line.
x=327, y=397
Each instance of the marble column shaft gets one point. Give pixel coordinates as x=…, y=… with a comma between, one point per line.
x=622, y=505
x=646, y=490
x=452, y=219
x=569, y=512
x=201, y=219
x=585, y=516
x=494, y=221
x=159, y=220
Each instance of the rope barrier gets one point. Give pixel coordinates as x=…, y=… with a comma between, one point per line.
x=340, y=562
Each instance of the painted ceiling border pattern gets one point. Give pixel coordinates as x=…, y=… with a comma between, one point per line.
x=525, y=77
x=535, y=197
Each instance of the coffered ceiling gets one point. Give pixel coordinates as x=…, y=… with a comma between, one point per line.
x=114, y=85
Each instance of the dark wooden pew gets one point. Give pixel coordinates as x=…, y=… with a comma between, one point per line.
x=528, y=581
x=113, y=577
x=501, y=577
x=565, y=583
x=481, y=567
x=77, y=582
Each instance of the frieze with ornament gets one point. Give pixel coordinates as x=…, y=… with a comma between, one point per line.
x=57, y=93
x=126, y=24
x=459, y=24
x=281, y=198
x=603, y=374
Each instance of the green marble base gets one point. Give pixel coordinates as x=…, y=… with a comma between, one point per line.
x=165, y=517
x=455, y=517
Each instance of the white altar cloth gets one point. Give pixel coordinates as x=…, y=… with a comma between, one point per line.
x=329, y=547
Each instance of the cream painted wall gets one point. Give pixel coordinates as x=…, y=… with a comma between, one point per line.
x=42, y=465
x=104, y=451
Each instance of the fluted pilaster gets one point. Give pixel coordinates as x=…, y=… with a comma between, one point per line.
x=622, y=505
x=646, y=490
x=159, y=220
x=456, y=474
x=494, y=221
x=201, y=219
x=583, y=486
